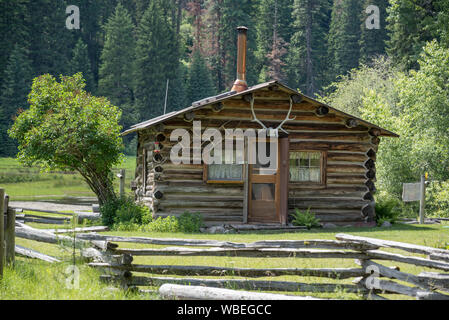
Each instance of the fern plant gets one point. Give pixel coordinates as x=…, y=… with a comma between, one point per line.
x=306, y=219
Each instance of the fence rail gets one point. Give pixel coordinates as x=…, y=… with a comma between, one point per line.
x=363, y=250
x=103, y=252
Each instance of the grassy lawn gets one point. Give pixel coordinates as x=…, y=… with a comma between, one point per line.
x=28, y=183
x=429, y=235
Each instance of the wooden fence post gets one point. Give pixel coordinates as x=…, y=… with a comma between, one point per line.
x=122, y=182
x=10, y=233
x=422, y=201
x=2, y=230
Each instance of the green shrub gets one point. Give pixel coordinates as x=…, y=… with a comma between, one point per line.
x=388, y=209
x=125, y=211
x=437, y=199
x=168, y=224
x=190, y=222
x=108, y=211
x=126, y=226
x=306, y=219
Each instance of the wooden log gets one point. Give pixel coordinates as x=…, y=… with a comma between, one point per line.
x=43, y=211
x=247, y=252
x=10, y=236
x=369, y=210
x=189, y=116
x=436, y=281
x=351, y=123
x=380, y=255
x=391, y=244
x=45, y=220
x=2, y=231
x=217, y=107
x=370, y=185
x=395, y=274
x=33, y=254
x=431, y=296
x=295, y=244
x=370, y=174
x=26, y=232
x=330, y=136
x=337, y=273
x=161, y=137
x=321, y=111
x=439, y=256
x=387, y=286
x=182, y=292
x=282, y=286
x=374, y=132
x=78, y=230
x=333, y=146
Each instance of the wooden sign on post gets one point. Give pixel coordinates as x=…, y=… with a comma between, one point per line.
x=416, y=192
x=411, y=192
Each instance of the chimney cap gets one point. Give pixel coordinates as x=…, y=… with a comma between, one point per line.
x=242, y=28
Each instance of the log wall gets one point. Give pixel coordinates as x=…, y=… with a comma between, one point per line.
x=345, y=198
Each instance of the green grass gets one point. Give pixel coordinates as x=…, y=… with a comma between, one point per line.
x=35, y=280
x=24, y=282
x=28, y=183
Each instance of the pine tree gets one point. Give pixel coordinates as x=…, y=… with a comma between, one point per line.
x=223, y=17
x=274, y=31
x=156, y=58
x=14, y=28
x=373, y=41
x=14, y=91
x=344, y=35
x=117, y=58
x=200, y=85
x=411, y=24
x=307, y=59
x=233, y=14
x=80, y=63
x=117, y=63
x=51, y=43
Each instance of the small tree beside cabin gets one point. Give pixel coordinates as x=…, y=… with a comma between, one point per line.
x=66, y=128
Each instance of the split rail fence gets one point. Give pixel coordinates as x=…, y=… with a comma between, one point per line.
x=371, y=279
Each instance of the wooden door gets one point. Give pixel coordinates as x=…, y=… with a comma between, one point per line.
x=264, y=189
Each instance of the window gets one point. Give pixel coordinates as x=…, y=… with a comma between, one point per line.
x=306, y=166
x=225, y=172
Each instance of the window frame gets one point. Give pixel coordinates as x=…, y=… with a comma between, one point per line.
x=323, y=168
x=207, y=180
x=206, y=176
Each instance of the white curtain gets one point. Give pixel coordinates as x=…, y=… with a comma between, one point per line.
x=305, y=166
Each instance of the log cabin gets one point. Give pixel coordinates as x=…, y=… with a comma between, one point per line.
x=326, y=159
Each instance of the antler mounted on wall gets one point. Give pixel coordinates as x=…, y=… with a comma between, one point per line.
x=272, y=131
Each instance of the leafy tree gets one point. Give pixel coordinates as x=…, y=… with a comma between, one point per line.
x=80, y=63
x=414, y=105
x=66, y=128
x=17, y=79
x=347, y=93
